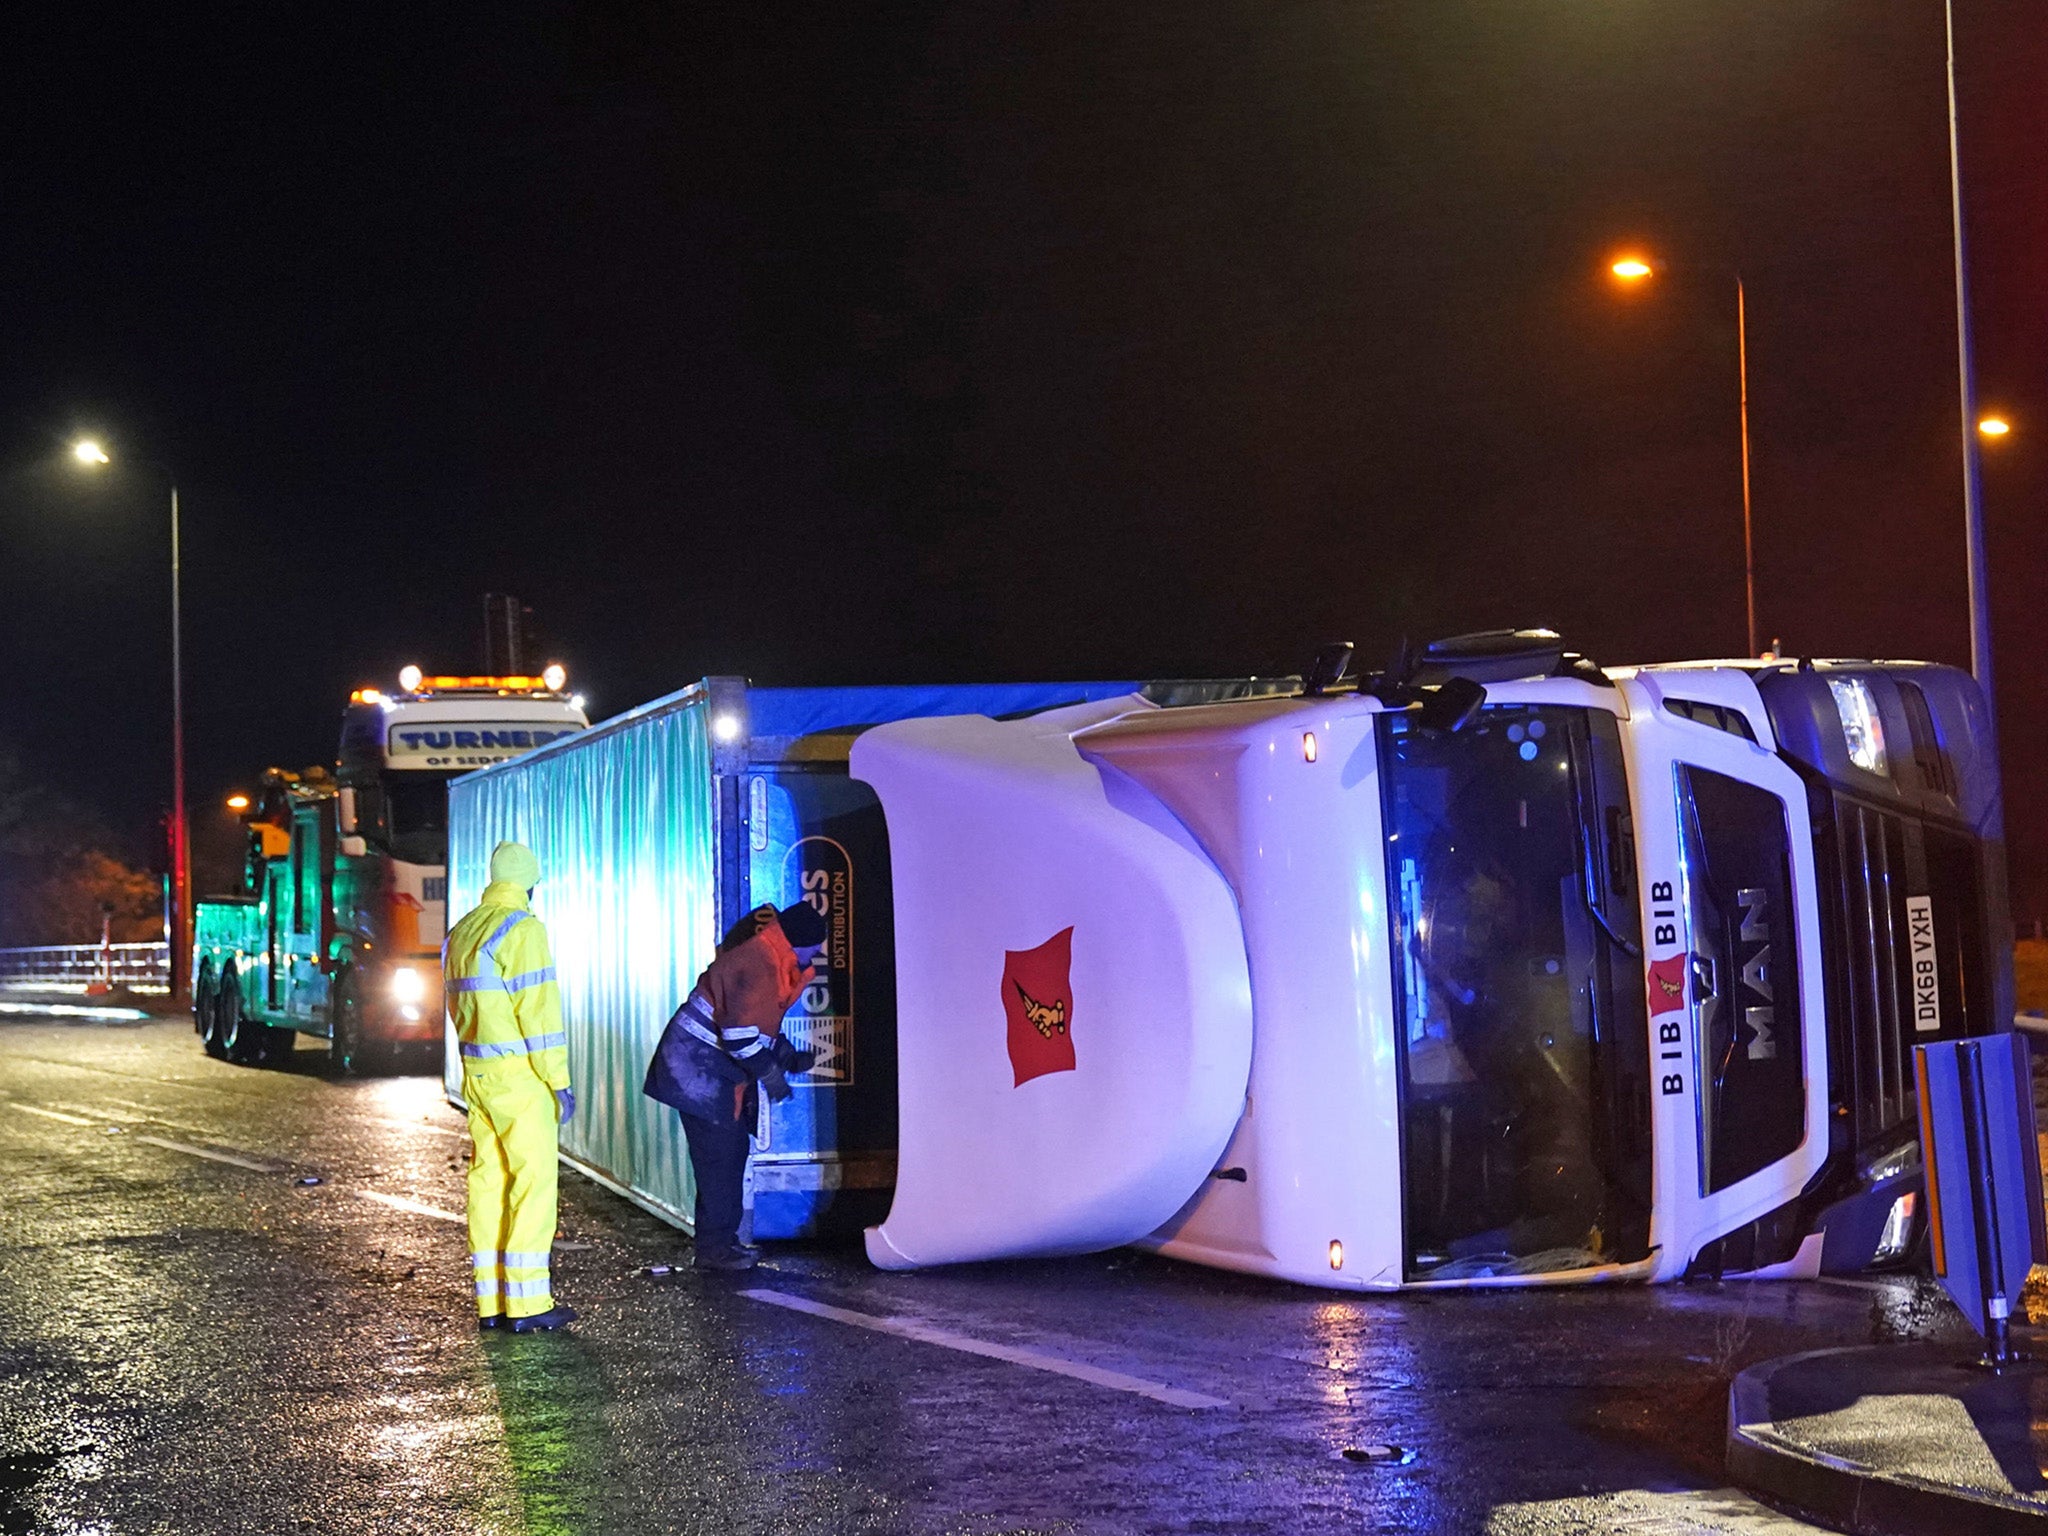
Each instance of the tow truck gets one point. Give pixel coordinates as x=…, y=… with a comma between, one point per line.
x=337, y=929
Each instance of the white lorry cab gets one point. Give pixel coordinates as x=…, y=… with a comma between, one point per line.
x=1496, y=968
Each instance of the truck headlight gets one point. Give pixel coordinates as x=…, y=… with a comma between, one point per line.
x=1898, y=1230
x=1862, y=728
x=408, y=985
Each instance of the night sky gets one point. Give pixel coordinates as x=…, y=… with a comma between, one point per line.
x=838, y=344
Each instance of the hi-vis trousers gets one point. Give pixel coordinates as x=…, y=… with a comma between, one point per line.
x=511, y=1186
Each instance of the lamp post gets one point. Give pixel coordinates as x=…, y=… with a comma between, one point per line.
x=1634, y=269
x=178, y=931
x=1966, y=369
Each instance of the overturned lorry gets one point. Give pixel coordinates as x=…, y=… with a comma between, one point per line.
x=1496, y=968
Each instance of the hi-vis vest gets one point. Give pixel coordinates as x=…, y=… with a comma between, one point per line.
x=500, y=983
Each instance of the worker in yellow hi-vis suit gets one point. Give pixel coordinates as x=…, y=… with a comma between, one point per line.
x=501, y=990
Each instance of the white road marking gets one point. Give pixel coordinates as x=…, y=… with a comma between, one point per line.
x=144, y=1115
x=53, y=1114
x=249, y=1163
x=91, y=1111
x=416, y=1207
x=1030, y=1359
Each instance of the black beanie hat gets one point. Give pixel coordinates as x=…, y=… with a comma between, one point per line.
x=802, y=925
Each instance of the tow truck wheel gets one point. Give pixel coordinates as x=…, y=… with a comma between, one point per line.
x=346, y=1047
x=219, y=1019
x=242, y=1039
x=205, y=996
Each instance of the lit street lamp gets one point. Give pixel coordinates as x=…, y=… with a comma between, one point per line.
x=178, y=932
x=1634, y=269
x=1993, y=426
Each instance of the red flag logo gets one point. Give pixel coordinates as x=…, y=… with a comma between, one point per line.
x=1667, y=984
x=1038, y=1001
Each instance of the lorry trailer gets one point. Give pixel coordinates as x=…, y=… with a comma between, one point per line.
x=1494, y=968
x=656, y=831
x=338, y=926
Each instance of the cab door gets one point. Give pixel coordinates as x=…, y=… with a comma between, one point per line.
x=1736, y=982
x=312, y=923
x=279, y=892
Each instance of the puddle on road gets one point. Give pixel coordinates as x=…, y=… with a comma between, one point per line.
x=1916, y=1308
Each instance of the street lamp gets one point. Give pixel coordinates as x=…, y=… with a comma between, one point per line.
x=1631, y=270
x=1966, y=370
x=88, y=452
x=1993, y=426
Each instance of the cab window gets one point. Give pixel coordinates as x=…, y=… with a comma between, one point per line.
x=1747, y=1022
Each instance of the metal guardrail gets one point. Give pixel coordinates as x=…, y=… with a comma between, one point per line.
x=72, y=967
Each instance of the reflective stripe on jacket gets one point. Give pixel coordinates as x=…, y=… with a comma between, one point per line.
x=500, y=981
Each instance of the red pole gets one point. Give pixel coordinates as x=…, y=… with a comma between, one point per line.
x=179, y=929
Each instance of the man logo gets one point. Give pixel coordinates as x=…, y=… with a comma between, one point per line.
x=1038, y=1004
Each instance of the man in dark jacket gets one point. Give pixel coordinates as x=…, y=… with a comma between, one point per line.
x=761, y=968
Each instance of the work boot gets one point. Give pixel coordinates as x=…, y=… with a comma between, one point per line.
x=557, y=1316
x=731, y=1260
x=491, y=1324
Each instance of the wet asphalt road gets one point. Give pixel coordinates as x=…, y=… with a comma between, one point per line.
x=190, y=1344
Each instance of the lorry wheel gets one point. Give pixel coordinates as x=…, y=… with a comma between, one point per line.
x=205, y=998
x=346, y=1047
x=241, y=1037
x=227, y=1003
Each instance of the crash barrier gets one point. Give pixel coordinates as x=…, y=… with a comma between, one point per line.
x=81, y=967
x=1978, y=1145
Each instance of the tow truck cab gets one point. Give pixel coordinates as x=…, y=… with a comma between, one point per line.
x=1614, y=976
x=398, y=752
x=337, y=930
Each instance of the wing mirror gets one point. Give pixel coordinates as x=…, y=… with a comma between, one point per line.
x=1450, y=705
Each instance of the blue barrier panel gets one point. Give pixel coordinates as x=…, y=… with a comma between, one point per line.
x=1978, y=1145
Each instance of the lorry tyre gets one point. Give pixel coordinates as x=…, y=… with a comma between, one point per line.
x=205, y=996
x=242, y=1039
x=227, y=1000
x=346, y=1046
